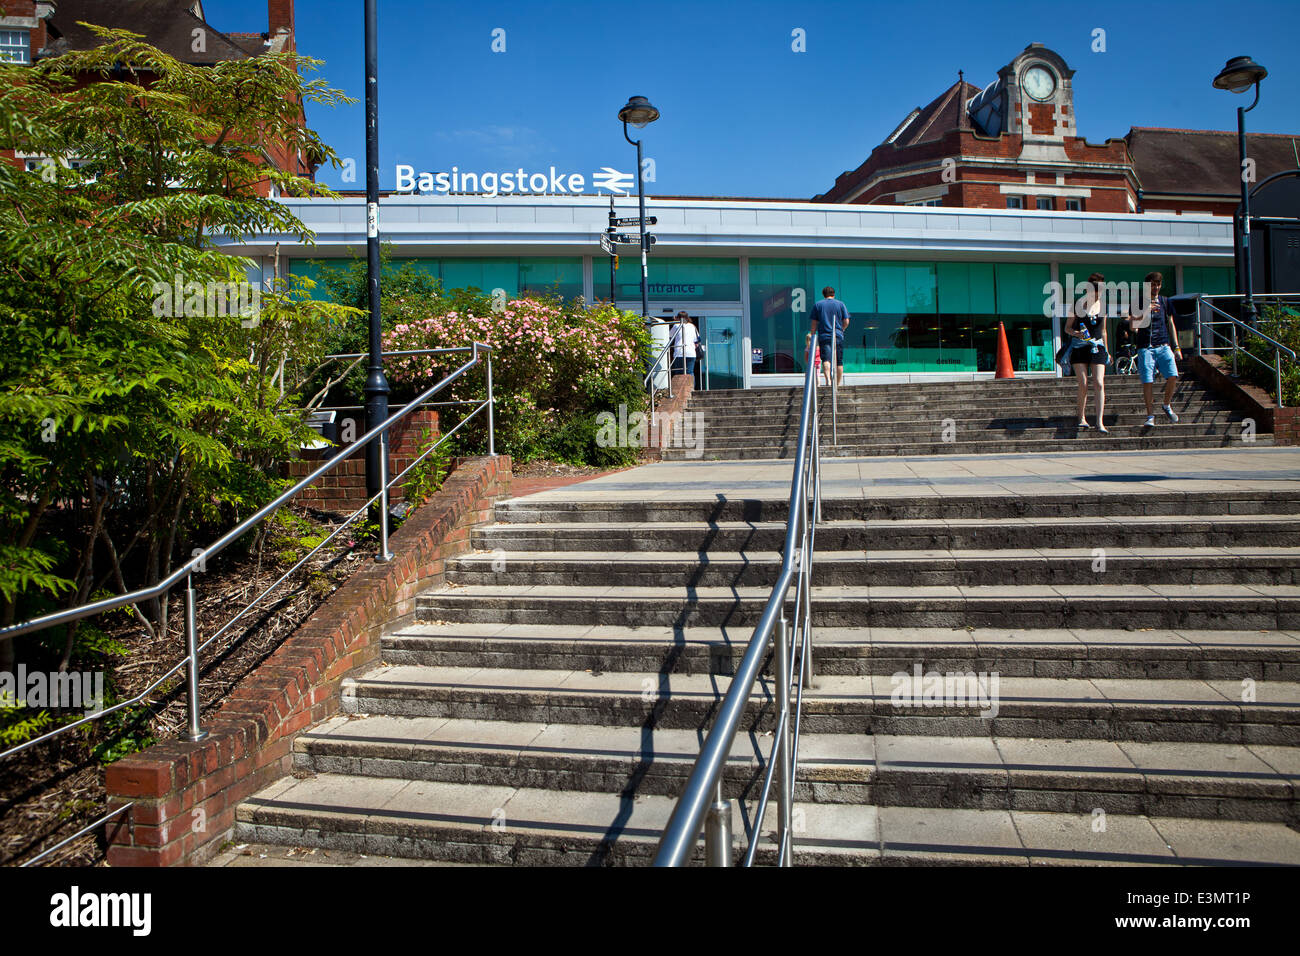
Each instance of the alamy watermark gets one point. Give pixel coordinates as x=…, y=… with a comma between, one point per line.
x=672, y=429
x=210, y=299
x=1075, y=297
x=80, y=690
x=933, y=688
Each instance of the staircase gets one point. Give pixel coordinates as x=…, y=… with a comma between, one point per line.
x=1015, y=415
x=547, y=705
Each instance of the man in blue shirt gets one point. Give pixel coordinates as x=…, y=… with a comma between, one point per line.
x=1157, y=342
x=830, y=317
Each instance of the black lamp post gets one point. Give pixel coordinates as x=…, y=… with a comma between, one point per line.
x=1239, y=75
x=376, y=388
x=640, y=114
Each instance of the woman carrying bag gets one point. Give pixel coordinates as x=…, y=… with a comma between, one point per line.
x=1089, y=350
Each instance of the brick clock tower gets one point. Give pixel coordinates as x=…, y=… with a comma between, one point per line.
x=1010, y=145
x=1040, y=102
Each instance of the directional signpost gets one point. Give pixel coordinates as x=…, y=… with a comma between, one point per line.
x=610, y=239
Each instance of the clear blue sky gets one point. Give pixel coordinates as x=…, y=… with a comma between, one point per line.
x=743, y=115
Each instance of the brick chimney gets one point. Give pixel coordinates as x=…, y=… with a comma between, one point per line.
x=279, y=16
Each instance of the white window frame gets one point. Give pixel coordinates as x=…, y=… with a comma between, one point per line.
x=1077, y=205
x=1038, y=204
x=1016, y=202
x=13, y=41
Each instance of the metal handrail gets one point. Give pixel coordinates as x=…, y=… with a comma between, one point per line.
x=703, y=795
x=198, y=561
x=1206, y=329
x=654, y=366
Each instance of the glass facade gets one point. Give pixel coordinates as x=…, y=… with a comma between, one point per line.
x=907, y=316
x=537, y=276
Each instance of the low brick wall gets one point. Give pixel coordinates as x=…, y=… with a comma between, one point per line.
x=1250, y=400
x=185, y=794
x=344, y=489
x=667, y=416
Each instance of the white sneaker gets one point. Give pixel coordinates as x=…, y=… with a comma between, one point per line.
x=1151, y=420
x=1103, y=429
x=1170, y=412
x=1082, y=426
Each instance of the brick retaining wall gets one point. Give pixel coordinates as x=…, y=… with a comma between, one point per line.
x=185, y=794
x=344, y=489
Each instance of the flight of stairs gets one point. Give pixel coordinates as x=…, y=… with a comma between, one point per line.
x=944, y=418
x=549, y=702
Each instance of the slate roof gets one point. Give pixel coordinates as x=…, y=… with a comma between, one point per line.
x=1204, y=162
x=166, y=24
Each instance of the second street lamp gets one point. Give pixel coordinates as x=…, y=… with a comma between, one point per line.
x=1238, y=75
x=640, y=114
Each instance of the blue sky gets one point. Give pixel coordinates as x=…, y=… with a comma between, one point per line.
x=742, y=114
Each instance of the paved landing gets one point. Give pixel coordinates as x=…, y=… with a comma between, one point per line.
x=1226, y=469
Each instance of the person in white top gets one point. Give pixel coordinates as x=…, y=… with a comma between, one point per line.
x=684, y=337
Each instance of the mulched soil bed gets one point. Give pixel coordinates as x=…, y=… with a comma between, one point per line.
x=49, y=792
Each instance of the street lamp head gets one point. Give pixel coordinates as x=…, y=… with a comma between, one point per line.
x=1239, y=75
x=638, y=112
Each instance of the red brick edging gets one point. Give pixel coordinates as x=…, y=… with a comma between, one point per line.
x=185, y=794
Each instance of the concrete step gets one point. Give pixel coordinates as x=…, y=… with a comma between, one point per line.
x=1214, y=781
x=859, y=426
x=961, y=405
x=1024, y=444
x=880, y=537
x=937, y=567
x=1070, y=708
x=932, y=432
x=484, y=824
x=1080, y=653
x=532, y=510
x=1209, y=606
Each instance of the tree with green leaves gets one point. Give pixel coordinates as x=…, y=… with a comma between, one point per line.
x=148, y=389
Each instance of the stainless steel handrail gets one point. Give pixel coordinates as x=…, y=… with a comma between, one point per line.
x=703, y=796
x=1206, y=329
x=654, y=367
x=198, y=561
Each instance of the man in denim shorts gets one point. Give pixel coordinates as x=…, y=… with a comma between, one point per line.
x=1157, y=344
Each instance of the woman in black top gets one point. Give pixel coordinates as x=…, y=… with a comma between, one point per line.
x=1087, y=325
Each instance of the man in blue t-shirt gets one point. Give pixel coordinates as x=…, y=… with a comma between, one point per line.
x=830, y=317
x=1157, y=343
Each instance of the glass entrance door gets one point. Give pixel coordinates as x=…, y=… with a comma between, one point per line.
x=722, y=340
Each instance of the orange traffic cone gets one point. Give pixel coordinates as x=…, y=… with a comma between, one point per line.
x=1005, y=369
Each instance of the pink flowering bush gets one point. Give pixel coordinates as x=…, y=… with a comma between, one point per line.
x=555, y=367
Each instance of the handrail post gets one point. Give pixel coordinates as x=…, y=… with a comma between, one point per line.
x=384, y=555
x=781, y=748
x=718, y=830
x=196, y=733
x=835, y=397
x=1234, y=351
x=491, y=414
x=1277, y=372
x=1200, y=335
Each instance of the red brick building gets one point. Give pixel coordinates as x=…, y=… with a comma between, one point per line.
x=1014, y=145
x=31, y=30
x=1011, y=145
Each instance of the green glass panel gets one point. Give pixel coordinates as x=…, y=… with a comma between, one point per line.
x=1020, y=287
x=891, y=287
x=966, y=287
x=921, y=288
x=1211, y=280
x=483, y=274
x=542, y=276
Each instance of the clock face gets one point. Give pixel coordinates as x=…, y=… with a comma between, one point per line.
x=1039, y=82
